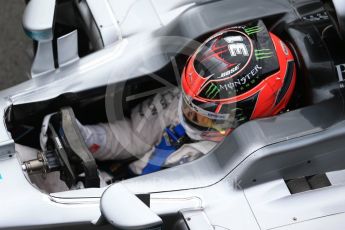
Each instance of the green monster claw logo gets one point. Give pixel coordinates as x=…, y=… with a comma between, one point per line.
x=263, y=54
x=212, y=91
x=253, y=30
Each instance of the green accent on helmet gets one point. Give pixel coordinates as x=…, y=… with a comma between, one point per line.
x=212, y=91
x=253, y=30
x=263, y=54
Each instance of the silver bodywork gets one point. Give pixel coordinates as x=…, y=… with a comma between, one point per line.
x=240, y=185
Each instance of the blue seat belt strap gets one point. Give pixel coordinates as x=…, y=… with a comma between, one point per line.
x=167, y=146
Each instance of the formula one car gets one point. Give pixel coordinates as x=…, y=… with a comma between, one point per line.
x=99, y=58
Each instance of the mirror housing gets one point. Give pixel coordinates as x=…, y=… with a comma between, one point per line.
x=125, y=211
x=38, y=19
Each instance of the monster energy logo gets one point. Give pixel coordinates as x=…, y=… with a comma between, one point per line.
x=253, y=30
x=263, y=54
x=212, y=91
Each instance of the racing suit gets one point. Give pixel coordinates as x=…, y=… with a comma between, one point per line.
x=142, y=135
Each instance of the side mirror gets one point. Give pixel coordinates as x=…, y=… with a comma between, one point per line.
x=38, y=19
x=124, y=210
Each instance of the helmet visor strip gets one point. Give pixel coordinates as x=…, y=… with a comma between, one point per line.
x=206, y=120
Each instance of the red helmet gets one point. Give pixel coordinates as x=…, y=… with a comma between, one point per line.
x=239, y=74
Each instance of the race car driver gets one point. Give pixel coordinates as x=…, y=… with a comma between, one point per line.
x=238, y=74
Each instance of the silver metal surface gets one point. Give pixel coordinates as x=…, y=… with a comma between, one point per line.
x=239, y=185
x=196, y=220
x=6, y=142
x=44, y=59
x=264, y=200
x=21, y=200
x=105, y=20
x=67, y=49
x=334, y=222
x=125, y=211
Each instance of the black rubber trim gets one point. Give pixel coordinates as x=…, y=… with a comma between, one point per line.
x=145, y=198
x=287, y=82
